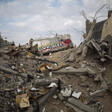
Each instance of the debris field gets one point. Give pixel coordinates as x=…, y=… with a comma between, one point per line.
x=73, y=79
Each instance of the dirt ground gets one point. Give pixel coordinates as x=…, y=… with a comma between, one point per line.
x=55, y=105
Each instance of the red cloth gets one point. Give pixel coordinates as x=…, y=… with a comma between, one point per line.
x=67, y=41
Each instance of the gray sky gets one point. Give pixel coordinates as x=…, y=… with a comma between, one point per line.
x=21, y=20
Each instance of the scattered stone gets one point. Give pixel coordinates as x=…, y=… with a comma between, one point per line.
x=76, y=94
x=55, y=97
x=6, y=57
x=84, y=52
x=66, y=91
x=83, y=78
x=98, y=92
x=61, y=111
x=72, y=106
x=71, y=57
x=79, y=71
x=8, y=70
x=80, y=105
x=60, y=96
x=98, y=77
x=104, y=85
x=83, y=65
x=103, y=59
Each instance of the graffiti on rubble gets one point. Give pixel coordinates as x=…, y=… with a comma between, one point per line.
x=50, y=46
x=55, y=45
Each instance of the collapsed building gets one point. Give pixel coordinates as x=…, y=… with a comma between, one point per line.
x=78, y=79
x=101, y=32
x=47, y=45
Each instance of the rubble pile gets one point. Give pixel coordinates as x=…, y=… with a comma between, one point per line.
x=61, y=81
x=77, y=79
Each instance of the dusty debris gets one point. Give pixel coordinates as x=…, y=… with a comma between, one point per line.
x=66, y=91
x=23, y=100
x=8, y=70
x=74, y=107
x=80, y=105
x=45, y=60
x=49, y=45
x=71, y=57
x=76, y=94
x=96, y=93
x=104, y=85
x=53, y=85
x=74, y=71
x=98, y=77
x=45, y=81
x=47, y=96
x=79, y=78
x=83, y=78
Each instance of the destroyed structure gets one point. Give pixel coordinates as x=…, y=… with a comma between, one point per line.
x=71, y=80
x=57, y=43
x=101, y=32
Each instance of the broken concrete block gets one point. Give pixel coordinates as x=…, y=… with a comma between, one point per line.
x=72, y=106
x=60, y=96
x=91, y=71
x=24, y=75
x=99, y=106
x=104, y=85
x=74, y=71
x=98, y=92
x=20, y=79
x=84, y=52
x=107, y=57
x=23, y=100
x=83, y=78
x=67, y=68
x=103, y=59
x=6, y=57
x=97, y=47
x=8, y=70
x=83, y=65
x=92, y=64
x=110, y=86
x=71, y=57
x=102, y=70
x=43, y=100
x=76, y=94
x=71, y=70
x=61, y=111
x=98, y=77
x=55, y=96
x=45, y=82
x=66, y=91
x=44, y=110
x=33, y=89
x=80, y=105
x=53, y=85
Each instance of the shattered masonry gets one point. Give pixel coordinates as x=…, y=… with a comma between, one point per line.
x=52, y=75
